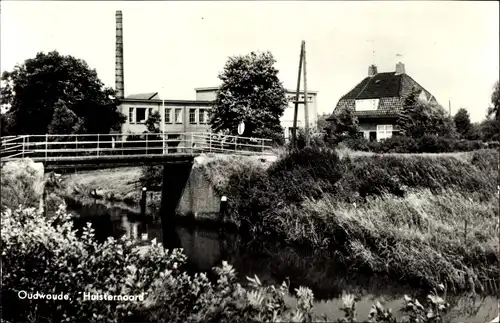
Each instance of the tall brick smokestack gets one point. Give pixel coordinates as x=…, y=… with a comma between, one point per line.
x=119, y=77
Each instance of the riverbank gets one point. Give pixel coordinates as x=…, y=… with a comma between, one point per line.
x=426, y=218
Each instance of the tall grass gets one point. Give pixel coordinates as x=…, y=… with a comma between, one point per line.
x=425, y=218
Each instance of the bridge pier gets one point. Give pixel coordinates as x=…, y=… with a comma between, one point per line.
x=175, y=177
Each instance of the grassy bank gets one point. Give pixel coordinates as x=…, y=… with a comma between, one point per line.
x=425, y=218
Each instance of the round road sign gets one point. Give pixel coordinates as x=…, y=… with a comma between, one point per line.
x=241, y=128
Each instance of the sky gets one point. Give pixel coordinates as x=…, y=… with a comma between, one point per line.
x=172, y=47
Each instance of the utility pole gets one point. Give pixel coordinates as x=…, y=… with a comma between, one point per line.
x=294, y=130
x=306, y=110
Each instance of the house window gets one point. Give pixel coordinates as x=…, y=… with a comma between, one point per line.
x=150, y=112
x=168, y=115
x=372, y=135
x=131, y=115
x=367, y=105
x=178, y=115
x=140, y=115
x=192, y=116
x=384, y=132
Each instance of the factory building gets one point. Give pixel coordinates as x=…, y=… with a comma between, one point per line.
x=188, y=115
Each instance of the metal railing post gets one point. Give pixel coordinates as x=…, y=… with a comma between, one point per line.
x=24, y=141
x=146, y=144
x=262, y=144
x=97, y=144
x=163, y=143
x=209, y=142
x=46, y=144
x=191, y=144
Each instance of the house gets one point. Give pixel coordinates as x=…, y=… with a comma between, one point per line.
x=209, y=93
x=377, y=100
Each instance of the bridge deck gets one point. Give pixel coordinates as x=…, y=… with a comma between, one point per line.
x=69, y=151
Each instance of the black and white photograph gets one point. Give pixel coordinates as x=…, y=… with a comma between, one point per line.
x=250, y=161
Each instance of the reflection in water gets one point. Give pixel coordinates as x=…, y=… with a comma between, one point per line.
x=274, y=263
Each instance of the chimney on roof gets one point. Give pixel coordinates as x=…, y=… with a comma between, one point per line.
x=372, y=70
x=119, y=78
x=400, y=68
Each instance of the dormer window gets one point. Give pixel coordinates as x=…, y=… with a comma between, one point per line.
x=367, y=104
x=422, y=97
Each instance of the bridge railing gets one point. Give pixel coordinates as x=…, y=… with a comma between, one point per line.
x=43, y=147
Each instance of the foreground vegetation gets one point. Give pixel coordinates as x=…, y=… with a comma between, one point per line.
x=63, y=262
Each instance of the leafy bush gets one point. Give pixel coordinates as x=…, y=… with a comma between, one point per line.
x=45, y=255
x=425, y=144
x=398, y=144
x=21, y=183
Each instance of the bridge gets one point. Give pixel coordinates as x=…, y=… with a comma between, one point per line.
x=124, y=149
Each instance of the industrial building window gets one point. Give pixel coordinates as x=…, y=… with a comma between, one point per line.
x=384, y=132
x=140, y=115
x=131, y=115
x=168, y=115
x=192, y=116
x=202, y=116
x=178, y=116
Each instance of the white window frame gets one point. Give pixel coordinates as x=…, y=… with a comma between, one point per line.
x=168, y=115
x=384, y=131
x=195, y=113
x=179, y=119
x=131, y=115
x=367, y=104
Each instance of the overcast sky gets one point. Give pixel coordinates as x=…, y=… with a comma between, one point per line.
x=450, y=48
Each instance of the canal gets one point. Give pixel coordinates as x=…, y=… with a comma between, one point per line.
x=274, y=262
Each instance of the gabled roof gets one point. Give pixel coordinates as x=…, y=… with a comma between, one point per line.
x=383, y=85
x=389, y=87
x=144, y=96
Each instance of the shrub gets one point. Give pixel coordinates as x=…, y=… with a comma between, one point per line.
x=21, y=183
x=46, y=255
x=359, y=144
x=398, y=144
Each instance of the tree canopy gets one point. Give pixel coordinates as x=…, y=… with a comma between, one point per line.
x=54, y=93
x=420, y=118
x=342, y=125
x=463, y=124
x=494, y=110
x=250, y=92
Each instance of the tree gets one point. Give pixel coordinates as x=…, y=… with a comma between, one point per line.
x=153, y=122
x=52, y=86
x=494, y=111
x=343, y=125
x=250, y=92
x=419, y=118
x=463, y=124
x=65, y=121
